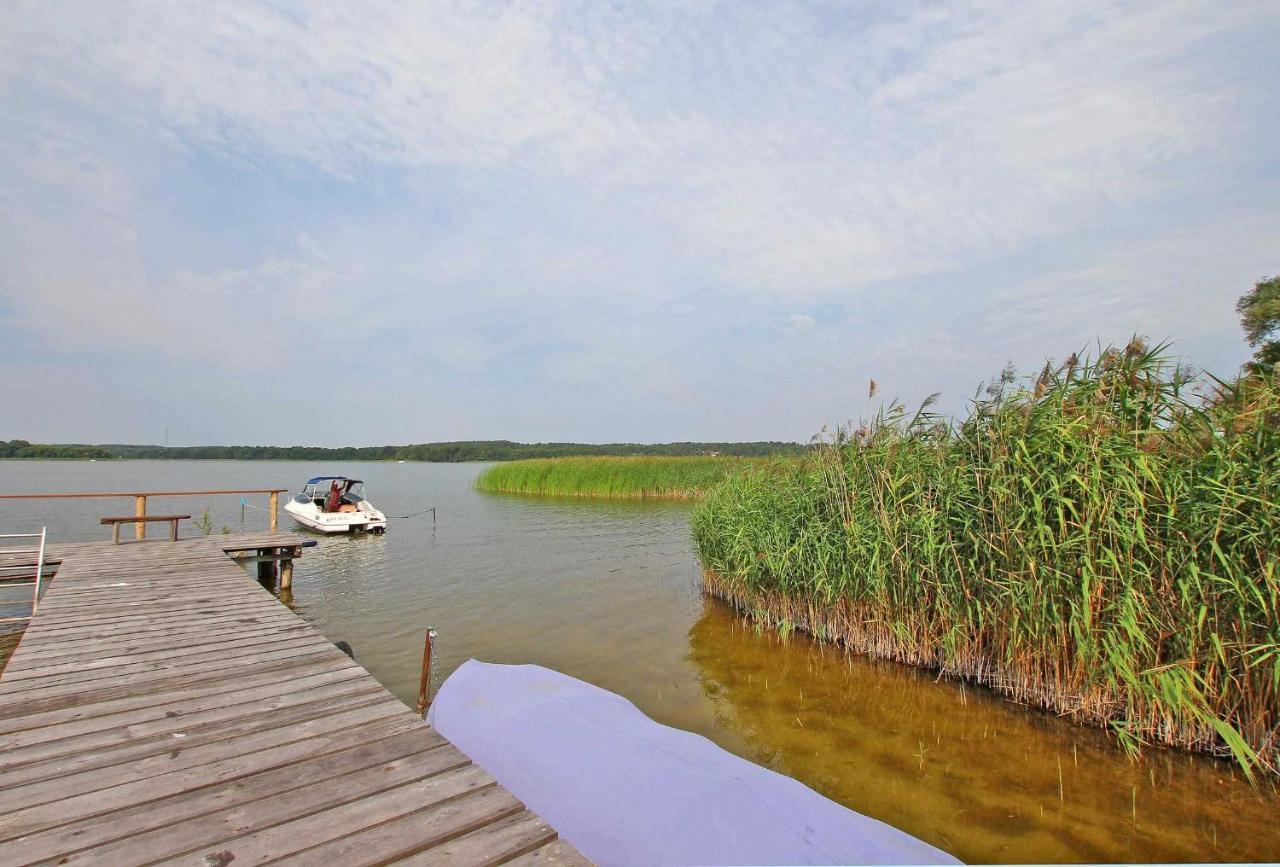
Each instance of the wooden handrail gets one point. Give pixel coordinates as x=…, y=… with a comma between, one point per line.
x=140, y=500
x=143, y=494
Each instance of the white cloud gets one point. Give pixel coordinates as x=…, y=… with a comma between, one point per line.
x=916, y=143
x=570, y=174
x=799, y=322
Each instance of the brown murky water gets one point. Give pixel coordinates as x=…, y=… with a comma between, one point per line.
x=982, y=778
x=608, y=592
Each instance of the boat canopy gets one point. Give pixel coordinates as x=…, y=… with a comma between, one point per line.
x=626, y=790
x=318, y=479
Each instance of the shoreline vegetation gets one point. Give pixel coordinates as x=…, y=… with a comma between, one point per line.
x=442, y=452
x=638, y=477
x=1101, y=541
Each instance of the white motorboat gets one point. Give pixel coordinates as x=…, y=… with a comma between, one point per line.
x=335, y=504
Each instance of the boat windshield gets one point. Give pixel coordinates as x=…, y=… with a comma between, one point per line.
x=351, y=490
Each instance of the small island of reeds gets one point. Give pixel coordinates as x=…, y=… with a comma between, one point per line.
x=680, y=478
x=1102, y=541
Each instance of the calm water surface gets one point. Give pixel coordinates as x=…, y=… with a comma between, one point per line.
x=608, y=592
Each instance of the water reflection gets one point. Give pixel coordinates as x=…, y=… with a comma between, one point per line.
x=980, y=777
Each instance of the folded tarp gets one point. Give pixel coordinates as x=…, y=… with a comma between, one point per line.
x=625, y=790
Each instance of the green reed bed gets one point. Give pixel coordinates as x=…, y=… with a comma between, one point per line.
x=658, y=477
x=1100, y=541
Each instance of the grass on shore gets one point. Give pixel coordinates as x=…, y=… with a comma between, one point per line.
x=1098, y=541
x=640, y=477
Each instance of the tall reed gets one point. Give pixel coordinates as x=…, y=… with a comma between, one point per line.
x=639, y=477
x=1098, y=541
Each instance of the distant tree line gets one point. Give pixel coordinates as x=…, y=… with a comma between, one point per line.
x=505, y=450
x=448, y=452
x=24, y=449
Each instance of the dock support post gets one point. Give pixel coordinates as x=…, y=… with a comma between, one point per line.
x=286, y=571
x=424, y=685
x=275, y=506
x=267, y=568
x=140, y=511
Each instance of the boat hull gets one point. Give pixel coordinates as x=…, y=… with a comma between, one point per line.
x=334, y=523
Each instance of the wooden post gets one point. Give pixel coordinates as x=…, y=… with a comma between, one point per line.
x=286, y=571
x=424, y=685
x=275, y=505
x=140, y=510
x=267, y=568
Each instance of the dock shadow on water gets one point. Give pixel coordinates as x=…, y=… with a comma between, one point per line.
x=963, y=769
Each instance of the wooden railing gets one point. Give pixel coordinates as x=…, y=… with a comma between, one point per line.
x=20, y=559
x=140, y=501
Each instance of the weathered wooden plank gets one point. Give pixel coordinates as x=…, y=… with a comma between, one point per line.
x=38, y=699
x=253, y=606
x=50, y=617
x=557, y=854
x=119, y=577
x=123, y=591
x=53, y=630
x=185, y=695
x=106, y=653
x=138, y=729
x=52, y=669
x=221, y=658
x=443, y=792
x=263, y=814
x=122, y=605
x=403, y=836
x=196, y=587
x=81, y=771
x=190, y=635
x=48, y=645
x=132, y=821
x=494, y=843
x=62, y=800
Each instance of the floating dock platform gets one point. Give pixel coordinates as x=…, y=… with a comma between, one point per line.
x=164, y=707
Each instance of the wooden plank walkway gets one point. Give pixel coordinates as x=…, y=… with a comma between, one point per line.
x=163, y=707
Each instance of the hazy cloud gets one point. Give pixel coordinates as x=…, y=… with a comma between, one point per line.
x=798, y=322
x=576, y=220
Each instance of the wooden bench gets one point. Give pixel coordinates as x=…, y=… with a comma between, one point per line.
x=116, y=521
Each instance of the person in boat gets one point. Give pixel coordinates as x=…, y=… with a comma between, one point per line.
x=334, y=500
x=343, y=504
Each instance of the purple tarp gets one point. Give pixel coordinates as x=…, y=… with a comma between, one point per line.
x=626, y=790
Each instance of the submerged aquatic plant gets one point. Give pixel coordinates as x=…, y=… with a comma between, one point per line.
x=1102, y=541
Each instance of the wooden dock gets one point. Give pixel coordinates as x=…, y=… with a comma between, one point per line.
x=164, y=707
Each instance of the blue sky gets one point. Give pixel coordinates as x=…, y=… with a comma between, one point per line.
x=603, y=222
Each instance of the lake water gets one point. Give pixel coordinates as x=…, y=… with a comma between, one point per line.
x=608, y=592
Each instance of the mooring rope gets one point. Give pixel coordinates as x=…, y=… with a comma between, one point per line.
x=432, y=510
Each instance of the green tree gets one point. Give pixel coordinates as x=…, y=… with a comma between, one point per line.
x=1259, y=311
